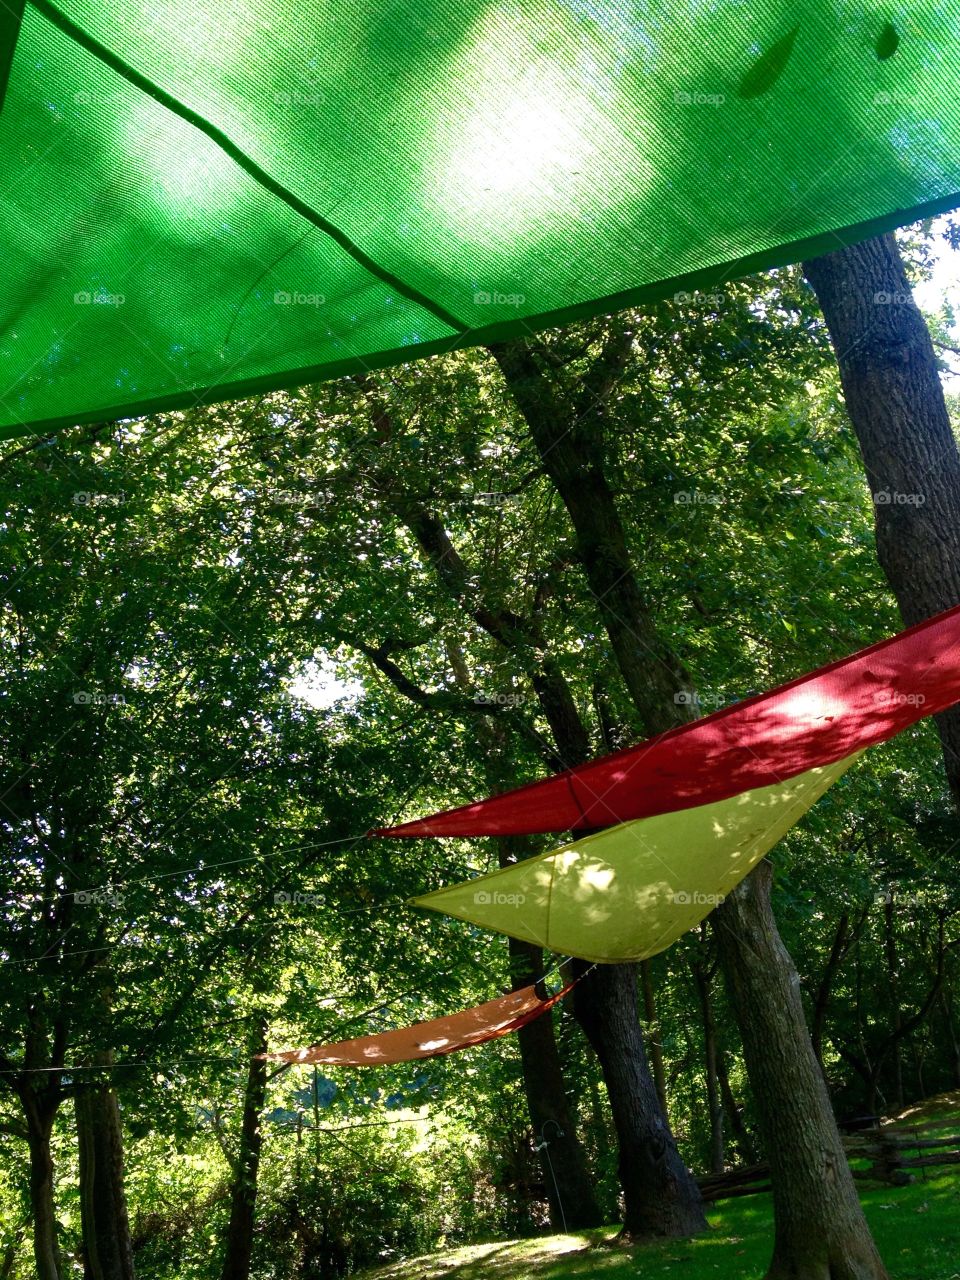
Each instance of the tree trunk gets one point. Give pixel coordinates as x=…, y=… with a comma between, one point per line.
x=820, y=1230
x=107, y=1248
x=570, y=446
x=40, y=1114
x=243, y=1196
x=746, y=1148
x=893, y=994
x=703, y=980
x=661, y=1197
x=896, y=405
x=653, y=1033
x=573, y=1204
x=570, y=441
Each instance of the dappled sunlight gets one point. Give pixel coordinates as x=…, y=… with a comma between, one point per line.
x=536, y=127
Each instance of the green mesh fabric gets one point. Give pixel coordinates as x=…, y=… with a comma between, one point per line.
x=206, y=199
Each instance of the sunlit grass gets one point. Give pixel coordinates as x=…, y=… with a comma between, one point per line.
x=917, y=1229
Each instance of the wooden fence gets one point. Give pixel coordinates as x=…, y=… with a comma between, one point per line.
x=892, y=1155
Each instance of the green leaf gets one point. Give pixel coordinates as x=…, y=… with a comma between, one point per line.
x=769, y=67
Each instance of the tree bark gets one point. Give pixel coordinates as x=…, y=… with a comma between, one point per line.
x=40, y=1113
x=568, y=439
x=661, y=1197
x=703, y=980
x=895, y=400
x=746, y=1148
x=820, y=1230
x=893, y=994
x=570, y=1191
x=107, y=1247
x=243, y=1195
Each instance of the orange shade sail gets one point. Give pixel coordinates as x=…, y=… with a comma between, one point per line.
x=431, y=1039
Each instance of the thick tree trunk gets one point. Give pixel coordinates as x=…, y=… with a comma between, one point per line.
x=40, y=1114
x=821, y=1233
x=107, y=1248
x=661, y=1197
x=243, y=1196
x=896, y=405
x=573, y=1204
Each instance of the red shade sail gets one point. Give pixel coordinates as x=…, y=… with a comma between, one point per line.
x=431, y=1039
x=813, y=721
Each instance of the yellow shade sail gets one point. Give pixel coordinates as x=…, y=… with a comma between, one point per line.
x=628, y=892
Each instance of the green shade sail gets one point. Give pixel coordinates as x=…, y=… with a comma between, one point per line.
x=627, y=893
x=203, y=200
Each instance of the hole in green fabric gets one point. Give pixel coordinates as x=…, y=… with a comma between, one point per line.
x=888, y=41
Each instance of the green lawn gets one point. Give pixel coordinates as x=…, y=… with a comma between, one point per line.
x=917, y=1229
